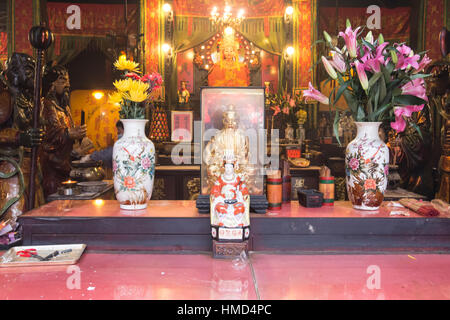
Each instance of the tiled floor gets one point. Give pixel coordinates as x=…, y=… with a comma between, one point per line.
x=264, y=276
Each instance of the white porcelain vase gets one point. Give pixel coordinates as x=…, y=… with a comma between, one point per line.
x=133, y=166
x=367, y=167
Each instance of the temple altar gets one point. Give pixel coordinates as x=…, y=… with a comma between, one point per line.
x=177, y=226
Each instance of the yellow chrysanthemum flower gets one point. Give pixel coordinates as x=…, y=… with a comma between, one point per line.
x=138, y=86
x=115, y=98
x=136, y=95
x=123, y=85
x=123, y=64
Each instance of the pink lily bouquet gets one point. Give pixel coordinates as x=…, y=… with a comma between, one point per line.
x=379, y=81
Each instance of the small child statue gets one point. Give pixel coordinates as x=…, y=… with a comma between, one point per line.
x=230, y=203
x=183, y=96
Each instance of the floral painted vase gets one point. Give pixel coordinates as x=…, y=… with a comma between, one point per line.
x=367, y=167
x=133, y=166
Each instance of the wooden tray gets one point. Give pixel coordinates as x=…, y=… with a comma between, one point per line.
x=11, y=259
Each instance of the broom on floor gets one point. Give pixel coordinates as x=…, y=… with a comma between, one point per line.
x=424, y=208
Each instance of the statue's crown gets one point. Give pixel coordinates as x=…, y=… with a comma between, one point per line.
x=229, y=157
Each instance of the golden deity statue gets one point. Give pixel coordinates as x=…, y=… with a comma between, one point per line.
x=228, y=71
x=229, y=140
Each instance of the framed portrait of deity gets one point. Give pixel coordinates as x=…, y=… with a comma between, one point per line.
x=233, y=126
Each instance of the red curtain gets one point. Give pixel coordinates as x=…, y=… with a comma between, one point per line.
x=23, y=21
x=3, y=46
x=304, y=38
x=96, y=19
x=395, y=23
x=152, y=36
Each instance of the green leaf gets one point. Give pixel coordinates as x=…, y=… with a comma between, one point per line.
x=390, y=67
x=408, y=100
x=420, y=76
x=317, y=42
x=341, y=90
x=382, y=89
x=360, y=115
x=369, y=109
x=396, y=91
x=377, y=98
x=351, y=101
x=415, y=126
x=368, y=44
x=380, y=111
x=386, y=74
x=374, y=78
x=336, y=127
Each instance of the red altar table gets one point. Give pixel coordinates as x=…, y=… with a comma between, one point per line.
x=177, y=226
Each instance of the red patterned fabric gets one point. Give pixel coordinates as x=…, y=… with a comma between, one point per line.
x=434, y=23
x=304, y=38
x=395, y=23
x=96, y=19
x=253, y=8
x=3, y=45
x=23, y=21
x=151, y=36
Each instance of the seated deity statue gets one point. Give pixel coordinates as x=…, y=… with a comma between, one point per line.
x=230, y=139
x=228, y=71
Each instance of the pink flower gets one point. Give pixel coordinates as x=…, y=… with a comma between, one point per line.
x=406, y=58
x=370, y=184
x=133, y=75
x=416, y=88
x=329, y=68
x=338, y=63
x=292, y=103
x=350, y=40
x=286, y=110
x=315, y=94
x=276, y=109
x=374, y=63
x=129, y=182
x=400, y=113
x=114, y=166
x=399, y=125
x=146, y=163
x=157, y=78
x=404, y=49
x=407, y=111
x=386, y=170
x=381, y=48
x=404, y=63
x=423, y=63
x=354, y=164
x=362, y=75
